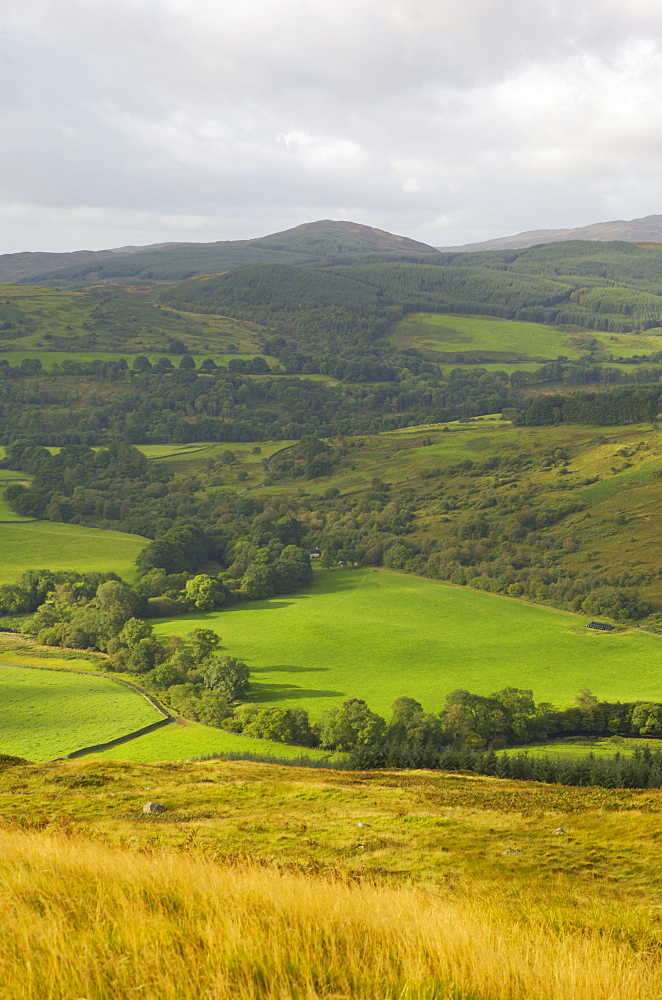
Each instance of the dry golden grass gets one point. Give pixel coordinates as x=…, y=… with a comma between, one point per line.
x=85, y=920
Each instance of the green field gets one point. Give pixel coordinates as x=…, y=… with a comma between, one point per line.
x=7, y=476
x=192, y=741
x=52, y=545
x=438, y=334
x=50, y=713
x=378, y=636
x=581, y=746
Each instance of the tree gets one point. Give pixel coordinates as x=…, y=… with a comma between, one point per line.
x=350, y=726
x=292, y=570
x=145, y=655
x=204, y=592
x=165, y=675
x=119, y=602
x=410, y=724
x=647, y=720
x=133, y=631
x=586, y=700
x=225, y=674
x=472, y=720
x=187, y=364
x=203, y=642
x=519, y=707
x=164, y=365
x=284, y=725
x=212, y=708
x=258, y=582
x=619, y=603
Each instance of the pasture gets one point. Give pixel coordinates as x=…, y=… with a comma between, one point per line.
x=51, y=713
x=6, y=478
x=53, y=545
x=379, y=636
x=439, y=334
x=191, y=741
x=581, y=746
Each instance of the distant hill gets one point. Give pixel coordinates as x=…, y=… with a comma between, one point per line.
x=645, y=230
x=313, y=244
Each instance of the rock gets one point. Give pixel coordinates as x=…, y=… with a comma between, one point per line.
x=559, y=830
x=153, y=807
x=365, y=825
x=512, y=850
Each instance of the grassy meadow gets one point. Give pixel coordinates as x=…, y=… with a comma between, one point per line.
x=608, y=746
x=57, y=546
x=51, y=713
x=437, y=334
x=7, y=477
x=182, y=740
x=193, y=741
x=378, y=636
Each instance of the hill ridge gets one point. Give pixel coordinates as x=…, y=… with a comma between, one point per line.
x=647, y=229
x=312, y=243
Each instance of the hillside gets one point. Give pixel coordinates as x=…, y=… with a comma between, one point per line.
x=312, y=244
x=607, y=286
x=266, y=882
x=645, y=230
x=47, y=320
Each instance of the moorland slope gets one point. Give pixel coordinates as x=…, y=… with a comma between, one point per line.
x=259, y=881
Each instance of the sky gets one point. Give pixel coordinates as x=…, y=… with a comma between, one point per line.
x=450, y=121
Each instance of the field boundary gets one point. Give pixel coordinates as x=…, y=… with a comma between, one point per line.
x=166, y=716
x=267, y=468
x=119, y=739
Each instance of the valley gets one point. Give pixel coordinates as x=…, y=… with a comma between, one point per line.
x=344, y=510
x=330, y=549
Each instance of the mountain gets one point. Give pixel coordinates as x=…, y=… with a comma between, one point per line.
x=312, y=244
x=645, y=230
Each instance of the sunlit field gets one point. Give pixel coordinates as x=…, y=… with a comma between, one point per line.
x=379, y=636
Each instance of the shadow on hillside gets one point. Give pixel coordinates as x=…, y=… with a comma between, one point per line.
x=269, y=605
x=212, y=616
x=286, y=692
x=288, y=668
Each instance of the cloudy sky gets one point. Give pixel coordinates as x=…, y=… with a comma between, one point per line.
x=139, y=121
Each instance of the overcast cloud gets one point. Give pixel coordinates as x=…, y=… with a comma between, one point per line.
x=140, y=121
